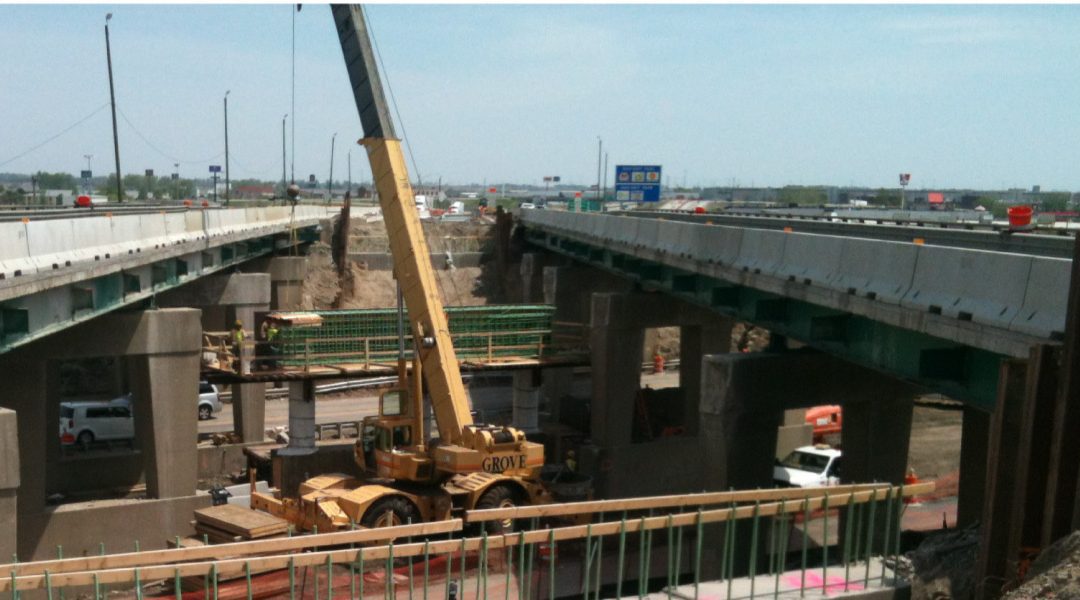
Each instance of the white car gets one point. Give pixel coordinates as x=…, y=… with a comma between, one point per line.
x=86, y=422
x=808, y=466
x=209, y=400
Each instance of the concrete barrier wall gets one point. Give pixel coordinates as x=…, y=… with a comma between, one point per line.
x=1018, y=292
x=53, y=245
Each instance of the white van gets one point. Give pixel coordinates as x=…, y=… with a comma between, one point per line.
x=209, y=400
x=86, y=422
x=808, y=466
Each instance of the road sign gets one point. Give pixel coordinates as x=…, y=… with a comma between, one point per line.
x=215, y=168
x=149, y=172
x=637, y=183
x=176, y=176
x=86, y=175
x=556, y=179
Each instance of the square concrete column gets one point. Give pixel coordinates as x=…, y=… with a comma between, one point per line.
x=301, y=418
x=616, y=371
x=875, y=435
x=571, y=288
x=249, y=411
x=739, y=417
x=526, y=400
x=695, y=342
x=166, y=421
x=9, y=481
x=287, y=281
x=974, y=443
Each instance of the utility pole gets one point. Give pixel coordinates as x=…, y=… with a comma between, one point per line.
x=330, y=182
x=112, y=99
x=226, y=99
x=603, y=196
x=599, y=156
x=284, y=186
x=176, y=177
x=349, y=184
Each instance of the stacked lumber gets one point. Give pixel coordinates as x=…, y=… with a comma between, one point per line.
x=230, y=523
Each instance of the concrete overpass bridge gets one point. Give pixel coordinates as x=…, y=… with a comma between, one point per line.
x=978, y=315
x=935, y=306
x=58, y=269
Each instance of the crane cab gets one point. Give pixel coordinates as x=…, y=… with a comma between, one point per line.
x=390, y=444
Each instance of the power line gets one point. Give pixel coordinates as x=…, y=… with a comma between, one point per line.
x=67, y=129
x=393, y=100
x=160, y=151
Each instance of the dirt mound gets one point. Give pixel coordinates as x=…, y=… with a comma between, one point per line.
x=464, y=286
x=1055, y=573
x=321, y=283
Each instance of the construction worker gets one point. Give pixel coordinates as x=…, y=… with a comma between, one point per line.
x=273, y=349
x=237, y=336
x=571, y=462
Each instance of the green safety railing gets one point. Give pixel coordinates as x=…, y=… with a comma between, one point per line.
x=370, y=335
x=742, y=550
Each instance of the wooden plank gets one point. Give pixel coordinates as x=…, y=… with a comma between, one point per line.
x=231, y=567
x=683, y=500
x=241, y=521
x=293, y=544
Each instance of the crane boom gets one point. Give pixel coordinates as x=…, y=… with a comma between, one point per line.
x=409, y=249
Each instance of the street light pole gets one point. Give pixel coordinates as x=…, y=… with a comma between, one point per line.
x=227, y=147
x=599, y=156
x=330, y=182
x=176, y=176
x=86, y=183
x=112, y=100
x=284, y=185
x=349, y=155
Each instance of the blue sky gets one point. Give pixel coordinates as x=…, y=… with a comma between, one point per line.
x=960, y=96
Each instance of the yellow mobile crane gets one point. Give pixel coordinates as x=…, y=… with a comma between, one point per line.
x=471, y=465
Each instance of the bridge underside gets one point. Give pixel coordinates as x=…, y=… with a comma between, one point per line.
x=962, y=372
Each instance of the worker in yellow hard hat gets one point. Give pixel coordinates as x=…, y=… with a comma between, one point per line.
x=571, y=461
x=237, y=336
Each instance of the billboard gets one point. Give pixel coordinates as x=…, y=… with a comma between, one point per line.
x=637, y=183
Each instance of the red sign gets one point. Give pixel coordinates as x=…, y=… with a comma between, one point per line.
x=492, y=190
x=577, y=194
x=83, y=201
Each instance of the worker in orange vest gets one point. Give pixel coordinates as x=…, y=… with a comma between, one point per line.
x=658, y=362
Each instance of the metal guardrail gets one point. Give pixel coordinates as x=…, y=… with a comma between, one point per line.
x=697, y=528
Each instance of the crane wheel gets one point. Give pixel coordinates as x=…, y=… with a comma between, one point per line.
x=499, y=496
x=389, y=512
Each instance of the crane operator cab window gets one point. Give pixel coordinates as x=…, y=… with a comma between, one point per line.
x=388, y=439
x=392, y=403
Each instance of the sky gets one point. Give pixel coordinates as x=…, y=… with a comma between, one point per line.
x=749, y=95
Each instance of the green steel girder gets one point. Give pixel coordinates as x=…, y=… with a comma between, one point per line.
x=962, y=372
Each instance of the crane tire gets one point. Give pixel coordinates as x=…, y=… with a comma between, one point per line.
x=390, y=511
x=499, y=496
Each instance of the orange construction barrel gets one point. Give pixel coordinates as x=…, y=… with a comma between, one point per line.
x=1020, y=216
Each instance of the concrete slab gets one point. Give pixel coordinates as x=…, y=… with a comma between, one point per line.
x=870, y=580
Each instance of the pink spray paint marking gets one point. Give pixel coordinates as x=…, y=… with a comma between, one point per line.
x=814, y=581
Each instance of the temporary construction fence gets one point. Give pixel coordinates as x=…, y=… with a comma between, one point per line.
x=627, y=548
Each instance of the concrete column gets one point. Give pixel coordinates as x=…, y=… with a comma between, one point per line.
x=526, y=400
x=739, y=418
x=695, y=342
x=876, y=434
x=249, y=411
x=532, y=277
x=166, y=421
x=301, y=418
x=9, y=481
x=616, y=370
x=974, y=440
x=570, y=289
x=287, y=281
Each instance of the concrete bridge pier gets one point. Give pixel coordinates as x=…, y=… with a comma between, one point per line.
x=9, y=481
x=224, y=300
x=287, y=282
x=744, y=400
x=159, y=350
x=666, y=444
